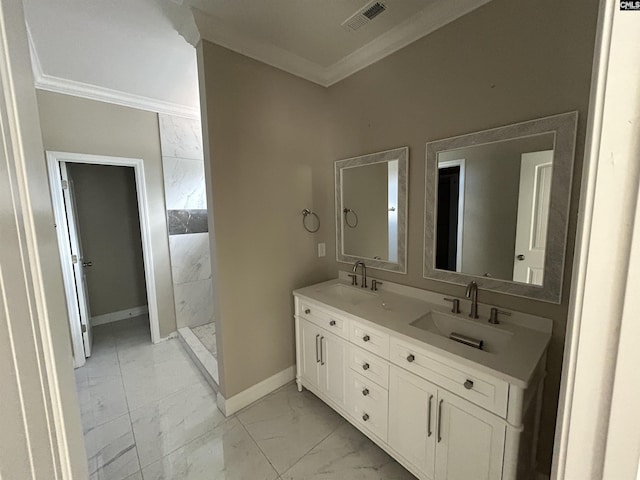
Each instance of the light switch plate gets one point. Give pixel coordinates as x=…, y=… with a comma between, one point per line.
x=322, y=249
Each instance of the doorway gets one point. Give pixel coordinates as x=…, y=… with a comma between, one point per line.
x=63, y=167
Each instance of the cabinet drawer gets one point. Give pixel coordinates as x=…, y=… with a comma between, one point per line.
x=368, y=404
x=481, y=389
x=369, y=366
x=370, y=338
x=323, y=318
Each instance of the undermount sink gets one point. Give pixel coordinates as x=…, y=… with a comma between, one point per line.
x=493, y=339
x=348, y=294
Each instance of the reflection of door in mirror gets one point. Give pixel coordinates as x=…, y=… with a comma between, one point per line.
x=450, y=212
x=533, y=214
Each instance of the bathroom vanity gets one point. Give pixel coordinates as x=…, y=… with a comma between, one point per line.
x=443, y=409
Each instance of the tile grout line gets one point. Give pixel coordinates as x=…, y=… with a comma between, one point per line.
x=126, y=398
x=259, y=448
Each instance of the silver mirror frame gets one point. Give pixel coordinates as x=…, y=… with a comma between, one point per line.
x=564, y=128
x=402, y=155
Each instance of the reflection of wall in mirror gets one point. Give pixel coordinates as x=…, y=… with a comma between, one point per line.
x=364, y=190
x=491, y=203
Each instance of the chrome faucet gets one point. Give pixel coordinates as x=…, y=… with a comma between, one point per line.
x=472, y=293
x=364, y=272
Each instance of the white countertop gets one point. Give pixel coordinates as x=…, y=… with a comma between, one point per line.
x=515, y=363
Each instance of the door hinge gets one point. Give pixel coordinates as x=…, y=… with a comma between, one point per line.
x=65, y=184
x=84, y=328
x=74, y=259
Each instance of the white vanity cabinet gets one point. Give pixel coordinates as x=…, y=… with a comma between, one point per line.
x=322, y=360
x=439, y=417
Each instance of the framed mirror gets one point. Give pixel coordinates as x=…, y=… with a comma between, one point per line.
x=371, y=209
x=497, y=207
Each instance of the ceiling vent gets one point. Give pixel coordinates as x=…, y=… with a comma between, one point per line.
x=364, y=16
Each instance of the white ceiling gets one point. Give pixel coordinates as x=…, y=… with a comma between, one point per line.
x=134, y=52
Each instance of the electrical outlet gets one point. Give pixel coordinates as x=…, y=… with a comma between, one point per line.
x=322, y=249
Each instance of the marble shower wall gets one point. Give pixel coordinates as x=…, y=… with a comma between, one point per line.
x=183, y=165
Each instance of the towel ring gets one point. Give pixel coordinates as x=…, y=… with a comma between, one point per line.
x=347, y=211
x=305, y=213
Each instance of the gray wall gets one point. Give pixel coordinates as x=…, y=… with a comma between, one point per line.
x=272, y=140
x=71, y=124
x=506, y=62
x=266, y=161
x=107, y=211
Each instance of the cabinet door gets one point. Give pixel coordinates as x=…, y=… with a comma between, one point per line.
x=310, y=355
x=470, y=441
x=412, y=414
x=333, y=361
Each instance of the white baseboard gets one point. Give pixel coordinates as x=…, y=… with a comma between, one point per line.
x=229, y=406
x=121, y=315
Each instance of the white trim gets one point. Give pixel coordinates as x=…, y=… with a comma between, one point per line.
x=460, y=233
x=119, y=315
x=229, y=406
x=53, y=160
x=65, y=86
x=433, y=16
x=202, y=355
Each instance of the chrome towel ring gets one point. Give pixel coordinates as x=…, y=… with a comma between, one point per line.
x=305, y=213
x=354, y=223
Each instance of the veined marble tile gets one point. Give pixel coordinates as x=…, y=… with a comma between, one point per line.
x=194, y=303
x=207, y=335
x=163, y=426
x=190, y=257
x=204, y=358
x=226, y=453
x=184, y=183
x=347, y=455
x=183, y=222
x=180, y=137
x=287, y=424
x=103, y=361
x=156, y=372
x=111, y=450
x=135, y=476
x=101, y=399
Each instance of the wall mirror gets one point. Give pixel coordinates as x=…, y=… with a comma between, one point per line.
x=371, y=209
x=497, y=206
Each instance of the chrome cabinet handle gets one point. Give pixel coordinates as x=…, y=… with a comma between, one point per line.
x=317, y=357
x=366, y=338
x=365, y=392
x=429, y=432
x=307, y=311
x=468, y=384
x=520, y=257
x=332, y=323
x=411, y=357
x=321, y=351
x=365, y=366
x=440, y=421
x=365, y=417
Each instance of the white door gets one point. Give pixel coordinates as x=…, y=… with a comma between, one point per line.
x=333, y=353
x=533, y=215
x=77, y=258
x=469, y=441
x=310, y=356
x=412, y=415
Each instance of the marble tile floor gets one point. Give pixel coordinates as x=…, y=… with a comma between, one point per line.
x=207, y=335
x=148, y=414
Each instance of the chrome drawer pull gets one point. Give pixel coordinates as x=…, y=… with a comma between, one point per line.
x=366, y=338
x=429, y=432
x=411, y=357
x=307, y=311
x=365, y=417
x=468, y=384
x=317, y=354
x=332, y=323
x=365, y=392
x=365, y=366
x=440, y=421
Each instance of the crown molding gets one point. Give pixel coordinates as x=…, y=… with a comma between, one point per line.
x=65, y=86
x=433, y=17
